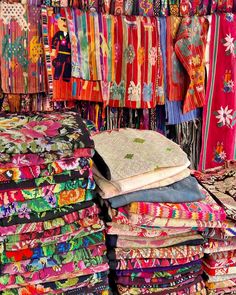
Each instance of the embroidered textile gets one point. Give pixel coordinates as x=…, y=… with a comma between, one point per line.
x=22, y=60
x=220, y=110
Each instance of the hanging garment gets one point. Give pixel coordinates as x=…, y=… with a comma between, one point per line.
x=190, y=49
x=138, y=62
x=21, y=49
x=92, y=36
x=219, y=115
x=176, y=74
x=57, y=48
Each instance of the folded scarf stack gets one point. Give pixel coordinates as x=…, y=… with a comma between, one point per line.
x=156, y=213
x=52, y=240
x=220, y=250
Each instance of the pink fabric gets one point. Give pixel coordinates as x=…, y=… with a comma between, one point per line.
x=219, y=114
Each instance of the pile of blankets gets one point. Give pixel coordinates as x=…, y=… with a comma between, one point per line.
x=157, y=213
x=220, y=249
x=52, y=240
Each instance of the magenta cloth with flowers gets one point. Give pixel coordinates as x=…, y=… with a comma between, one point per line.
x=50, y=229
x=219, y=113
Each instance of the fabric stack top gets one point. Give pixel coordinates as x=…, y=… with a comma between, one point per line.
x=52, y=239
x=156, y=212
x=220, y=250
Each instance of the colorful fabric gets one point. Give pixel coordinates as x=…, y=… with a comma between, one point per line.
x=21, y=50
x=156, y=222
x=69, y=270
x=128, y=242
x=92, y=45
x=50, y=223
x=219, y=113
x=51, y=193
x=138, y=62
x=221, y=182
x=43, y=133
x=213, y=246
x=129, y=230
x=190, y=48
x=206, y=209
x=223, y=284
x=172, y=252
x=57, y=49
x=37, y=171
x=136, y=263
x=176, y=75
x=195, y=287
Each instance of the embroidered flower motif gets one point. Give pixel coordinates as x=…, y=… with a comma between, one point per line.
x=130, y=54
x=152, y=56
x=134, y=91
x=24, y=211
x=229, y=17
x=195, y=60
x=147, y=92
x=224, y=116
x=141, y=55
x=219, y=155
x=117, y=52
x=41, y=129
x=229, y=43
x=14, y=136
x=228, y=82
x=118, y=91
x=51, y=200
x=145, y=5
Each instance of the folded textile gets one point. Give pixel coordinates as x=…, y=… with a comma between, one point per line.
x=223, y=291
x=196, y=286
x=129, y=230
x=156, y=273
x=125, y=153
x=26, y=216
x=88, y=281
x=210, y=262
x=48, y=192
x=206, y=209
x=214, y=246
x=17, y=160
x=36, y=171
x=220, y=278
x=170, y=252
x=221, y=182
x=47, y=180
x=69, y=270
x=185, y=190
x=126, y=242
x=158, y=281
x=56, y=261
x=222, y=284
x=139, y=220
x=43, y=133
x=108, y=189
x=136, y=263
x=40, y=205
x=49, y=224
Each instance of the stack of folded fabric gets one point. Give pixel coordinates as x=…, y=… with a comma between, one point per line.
x=155, y=212
x=220, y=250
x=52, y=240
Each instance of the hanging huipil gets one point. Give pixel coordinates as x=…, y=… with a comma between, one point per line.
x=146, y=7
x=89, y=90
x=57, y=48
x=92, y=46
x=176, y=74
x=190, y=49
x=138, y=82
x=21, y=49
x=174, y=7
x=219, y=114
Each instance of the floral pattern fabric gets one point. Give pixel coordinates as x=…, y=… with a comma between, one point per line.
x=43, y=133
x=220, y=110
